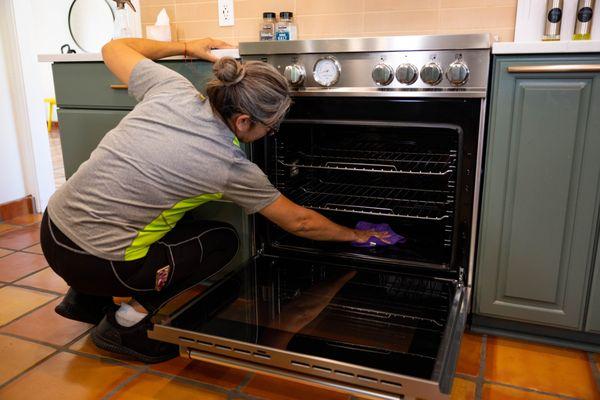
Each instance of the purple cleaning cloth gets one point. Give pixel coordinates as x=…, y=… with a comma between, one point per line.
x=374, y=241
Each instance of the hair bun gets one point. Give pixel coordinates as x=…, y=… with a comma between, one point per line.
x=229, y=71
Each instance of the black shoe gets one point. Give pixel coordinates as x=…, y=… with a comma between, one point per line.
x=83, y=307
x=132, y=341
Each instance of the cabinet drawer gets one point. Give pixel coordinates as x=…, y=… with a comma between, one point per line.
x=91, y=85
x=88, y=85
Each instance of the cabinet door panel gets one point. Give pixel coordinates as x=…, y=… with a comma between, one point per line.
x=81, y=131
x=540, y=201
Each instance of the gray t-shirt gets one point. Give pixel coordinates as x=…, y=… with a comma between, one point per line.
x=167, y=156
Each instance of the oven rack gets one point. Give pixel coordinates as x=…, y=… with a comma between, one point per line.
x=369, y=160
x=392, y=207
x=424, y=196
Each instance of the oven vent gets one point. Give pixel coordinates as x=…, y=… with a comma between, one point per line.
x=345, y=374
x=261, y=355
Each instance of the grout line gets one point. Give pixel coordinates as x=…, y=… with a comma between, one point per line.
x=57, y=350
x=122, y=384
x=245, y=381
x=529, y=390
x=466, y=377
x=47, y=291
x=25, y=371
x=29, y=274
x=480, y=375
x=595, y=370
x=28, y=312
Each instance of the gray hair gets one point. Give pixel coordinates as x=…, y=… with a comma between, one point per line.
x=254, y=88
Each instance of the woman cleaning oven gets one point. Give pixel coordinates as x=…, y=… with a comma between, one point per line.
x=116, y=228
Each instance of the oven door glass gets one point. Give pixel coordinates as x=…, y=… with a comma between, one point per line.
x=380, y=331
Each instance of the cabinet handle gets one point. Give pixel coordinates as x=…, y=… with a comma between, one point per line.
x=119, y=87
x=553, y=68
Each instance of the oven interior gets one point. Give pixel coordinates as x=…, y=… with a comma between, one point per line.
x=403, y=174
x=385, y=321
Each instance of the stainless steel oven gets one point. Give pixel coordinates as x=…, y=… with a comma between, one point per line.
x=382, y=130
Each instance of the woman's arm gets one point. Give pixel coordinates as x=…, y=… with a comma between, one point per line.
x=122, y=55
x=309, y=224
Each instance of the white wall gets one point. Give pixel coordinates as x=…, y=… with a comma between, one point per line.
x=12, y=185
x=50, y=26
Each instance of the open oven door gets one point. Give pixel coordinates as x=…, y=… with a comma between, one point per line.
x=371, y=333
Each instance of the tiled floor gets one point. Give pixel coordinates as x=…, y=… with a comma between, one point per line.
x=44, y=356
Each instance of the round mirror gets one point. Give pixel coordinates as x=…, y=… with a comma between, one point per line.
x=91, y=24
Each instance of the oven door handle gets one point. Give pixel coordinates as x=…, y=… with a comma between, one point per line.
x=533, y=69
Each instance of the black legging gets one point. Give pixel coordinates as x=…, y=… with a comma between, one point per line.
x=193, y=250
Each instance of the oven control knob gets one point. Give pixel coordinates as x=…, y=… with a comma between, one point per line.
x=407, y=73
x=382, y=74
x=457, y=73
x=431, y=73
x=295, y=74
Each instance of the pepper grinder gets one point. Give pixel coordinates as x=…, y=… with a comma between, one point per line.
x=553, y=20
x=583, y=21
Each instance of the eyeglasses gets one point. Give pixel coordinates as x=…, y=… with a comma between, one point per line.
x=272, y=129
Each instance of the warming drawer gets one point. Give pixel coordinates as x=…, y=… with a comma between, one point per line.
x=371, y=333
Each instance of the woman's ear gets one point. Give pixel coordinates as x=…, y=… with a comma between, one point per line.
x=243, y=123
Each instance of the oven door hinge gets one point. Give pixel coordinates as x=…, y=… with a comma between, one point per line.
x=461, y=276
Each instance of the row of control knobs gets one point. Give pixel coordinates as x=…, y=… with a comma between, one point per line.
x=431, y=73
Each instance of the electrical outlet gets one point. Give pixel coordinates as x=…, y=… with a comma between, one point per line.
x=226, y=17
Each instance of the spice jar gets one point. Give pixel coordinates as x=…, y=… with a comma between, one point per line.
x=267, y=26
x=286, y=27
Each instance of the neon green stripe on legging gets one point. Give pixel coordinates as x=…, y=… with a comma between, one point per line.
x=162, y=224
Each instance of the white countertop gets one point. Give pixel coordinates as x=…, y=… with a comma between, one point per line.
x=576, y=46
x=88, y=57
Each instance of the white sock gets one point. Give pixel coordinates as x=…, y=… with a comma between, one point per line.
x=127, y=316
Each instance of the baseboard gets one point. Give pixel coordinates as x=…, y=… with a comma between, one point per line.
x=17, y=208
x=536, y=333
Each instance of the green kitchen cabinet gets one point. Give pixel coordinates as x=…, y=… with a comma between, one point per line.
x=80, y=132
x=541, y=193
x=91, y=101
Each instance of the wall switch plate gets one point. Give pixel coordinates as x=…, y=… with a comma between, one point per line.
x=226, y=17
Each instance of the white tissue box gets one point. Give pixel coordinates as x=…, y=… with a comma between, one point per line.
x=159, y=32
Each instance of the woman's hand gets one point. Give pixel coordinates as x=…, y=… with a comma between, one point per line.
x=364, y=236
x=201, y=48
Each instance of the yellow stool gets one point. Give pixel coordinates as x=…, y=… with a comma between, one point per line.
x=51, y=103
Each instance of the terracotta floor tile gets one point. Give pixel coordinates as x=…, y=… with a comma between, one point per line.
x=86, y=346
x=20, y=238
x=463, y=389
x=5, y=228
x=45, y=279
x=18, y=264
x=470, y=353
x=545, y=368
x=36, y=249
x=17, y=355
x=25, y=219
x=203, y=372
x=47, y=326
x=15, y=302
x=497, y=392
x=279, y=389
x=5, y=252
x=67, y=376
x=153, y=387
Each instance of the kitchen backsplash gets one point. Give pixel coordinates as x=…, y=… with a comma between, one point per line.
x=192, y=19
